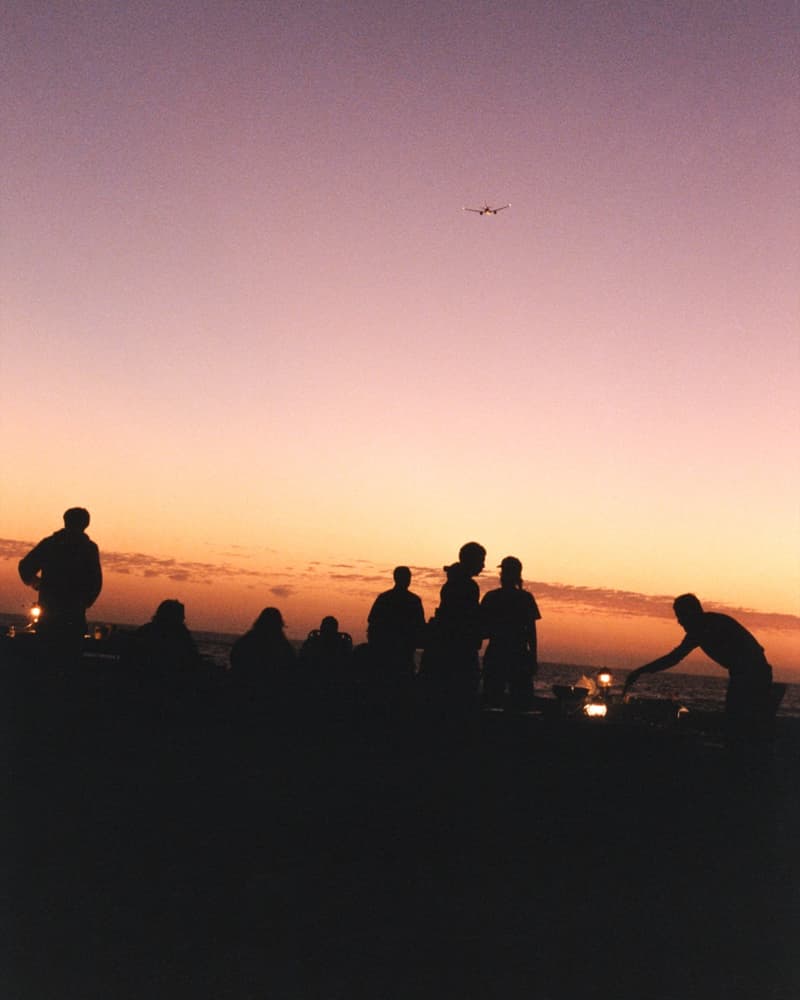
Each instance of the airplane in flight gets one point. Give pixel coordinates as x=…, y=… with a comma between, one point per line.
x=487, y=209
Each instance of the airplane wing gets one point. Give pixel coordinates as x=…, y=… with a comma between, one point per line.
x=500, y=209
x=478, y=210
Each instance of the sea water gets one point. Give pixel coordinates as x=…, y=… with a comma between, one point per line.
x=698, y=692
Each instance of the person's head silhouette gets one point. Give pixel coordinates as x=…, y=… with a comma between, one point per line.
x=510, y=572
x=472, y=557
x=76, y=519
x=688, y=610
x=329, y=627
x=402, y=577
x=170, y=614
x=269, y=624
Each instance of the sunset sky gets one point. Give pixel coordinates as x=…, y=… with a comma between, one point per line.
x=247, y=323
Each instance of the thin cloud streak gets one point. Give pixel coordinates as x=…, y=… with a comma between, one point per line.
x=367, y=580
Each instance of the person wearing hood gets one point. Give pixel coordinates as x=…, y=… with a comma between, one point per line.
x=451, y=661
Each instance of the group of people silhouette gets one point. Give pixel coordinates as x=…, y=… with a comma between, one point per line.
x=65, y=570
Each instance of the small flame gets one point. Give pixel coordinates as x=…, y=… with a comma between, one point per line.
x=595, y=710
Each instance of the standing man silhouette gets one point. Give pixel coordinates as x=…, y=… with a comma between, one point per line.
x=395, y=624
x=509, y=615
x=450, y=664
x=65, y=569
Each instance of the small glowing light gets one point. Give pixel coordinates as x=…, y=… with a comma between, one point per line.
x=36, y=612
x=604, y=679
x=595, y=709
x=682, y=710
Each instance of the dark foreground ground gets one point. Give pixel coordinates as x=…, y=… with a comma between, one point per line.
x=205, y=852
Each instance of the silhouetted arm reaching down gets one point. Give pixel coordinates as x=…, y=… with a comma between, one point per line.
x=662, y=663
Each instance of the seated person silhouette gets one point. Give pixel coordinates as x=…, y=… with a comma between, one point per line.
x=65, y=569
x=164, y=648
x=327, y=651
x=263, y=659
x=395, y=626
x=749, y=705
x=508, y=618
x=326, y=659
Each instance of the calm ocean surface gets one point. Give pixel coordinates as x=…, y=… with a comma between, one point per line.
x=701, y=693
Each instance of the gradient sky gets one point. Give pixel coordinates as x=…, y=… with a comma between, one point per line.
x=246, y=322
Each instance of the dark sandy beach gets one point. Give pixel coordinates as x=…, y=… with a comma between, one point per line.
x=194, y=851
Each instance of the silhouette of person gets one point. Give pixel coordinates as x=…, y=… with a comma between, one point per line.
x=509, y=615
x=165, y=648
x=450, y=662
x=325, y=661
x=65, y=569
x=327, y=650
x=263, y=659
x=748, y=701
x=395, y=625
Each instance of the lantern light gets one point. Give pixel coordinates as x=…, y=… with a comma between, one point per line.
x=604, y=679
x=595, y=710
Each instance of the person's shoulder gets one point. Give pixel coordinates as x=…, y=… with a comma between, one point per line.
x=49, y=540
x=716, y=620
x=91, y=547
x=381, y=599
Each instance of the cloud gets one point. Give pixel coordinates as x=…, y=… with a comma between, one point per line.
x=604, y=599
x=12, y=549
x=624, y=603
x=141, y=564
x=150, y=567
x=364, y=579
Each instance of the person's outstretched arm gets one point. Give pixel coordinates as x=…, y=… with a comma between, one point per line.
x=662, y=663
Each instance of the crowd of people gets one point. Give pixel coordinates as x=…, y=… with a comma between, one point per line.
x=65, y=570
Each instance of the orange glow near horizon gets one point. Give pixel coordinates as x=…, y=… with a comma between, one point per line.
x=579, y=625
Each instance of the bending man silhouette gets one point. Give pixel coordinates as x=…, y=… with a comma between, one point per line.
x=65, y=569
x=748, y=702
